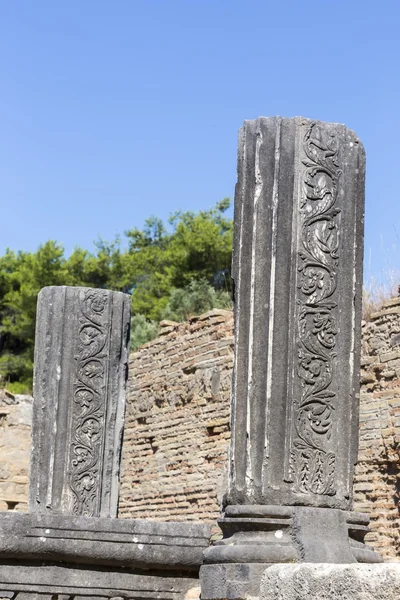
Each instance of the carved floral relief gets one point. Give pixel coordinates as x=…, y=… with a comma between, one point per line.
x=311, y=461
x=85, y=462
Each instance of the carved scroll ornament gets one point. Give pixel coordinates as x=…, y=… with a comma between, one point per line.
x=311, y=461
x=89, y=399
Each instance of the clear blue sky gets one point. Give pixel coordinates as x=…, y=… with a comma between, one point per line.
x=112, y=111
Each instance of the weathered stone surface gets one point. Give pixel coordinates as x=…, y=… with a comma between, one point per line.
x=256, y=536
x=38, y=581
x=231, y=581
x=377, y=475
x=138, y=544
x=47, y=555
x=81, y=355
x=331, y=582
x=15, y=420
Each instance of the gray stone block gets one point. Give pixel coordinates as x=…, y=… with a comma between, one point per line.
x=137, y=544
x=36, y=581
x=81, y=357
x=331, y=582
x=231, y=581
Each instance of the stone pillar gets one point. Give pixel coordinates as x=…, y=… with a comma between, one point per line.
x=297, y=269
x=81, y=357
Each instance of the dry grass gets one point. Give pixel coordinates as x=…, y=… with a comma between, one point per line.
x=377, y=292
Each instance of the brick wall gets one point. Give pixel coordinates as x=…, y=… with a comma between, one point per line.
x=377, y=481
x=15, y=440
x=177, y=421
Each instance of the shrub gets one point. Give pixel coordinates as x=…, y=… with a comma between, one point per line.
x=194, y=299
x=142, y=330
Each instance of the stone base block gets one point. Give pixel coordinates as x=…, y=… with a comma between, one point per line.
x=59, y=557
x=132, y=543
x=24, y=580
x=230, y=580
x=331, y=582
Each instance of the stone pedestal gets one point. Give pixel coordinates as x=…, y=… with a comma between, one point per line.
x=257, y=536
x=297, y=270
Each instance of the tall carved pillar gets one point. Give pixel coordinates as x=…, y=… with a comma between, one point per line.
x=297, y=269
x=81, y=361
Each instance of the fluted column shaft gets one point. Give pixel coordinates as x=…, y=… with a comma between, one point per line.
x=297, y=269
x=81, y=357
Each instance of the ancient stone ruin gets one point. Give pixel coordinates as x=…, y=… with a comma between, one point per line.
x=288, y=501
x=70, y=545
x=174, y=455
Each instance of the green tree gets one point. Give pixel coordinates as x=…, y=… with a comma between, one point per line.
x=201, y=246
x=23, y=275
x=178, y=271
x=158, y=261
x=148, y=268
x=101, y=270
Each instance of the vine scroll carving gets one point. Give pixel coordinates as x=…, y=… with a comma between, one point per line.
x=90, y=394
x=311, y=464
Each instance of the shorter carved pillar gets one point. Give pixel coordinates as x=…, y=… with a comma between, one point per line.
x=68, y=547
x=81, y=357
